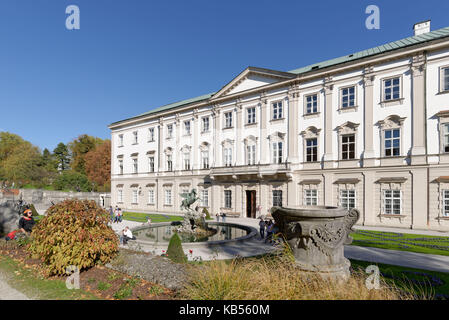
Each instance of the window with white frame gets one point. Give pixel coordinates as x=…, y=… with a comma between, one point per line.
x=205, y=124
x=312, y=150
x=227, y=156
x=205, y=159
x=169, y=162
x=392, y=142
x=135, y=166
x=277, y=198
x=204, y=198
x=278, y=112
x=151, y=164
x=228, y=119
x=120, y=195
x=445, y=137
x=120, y=166
x=168, y=197
x=445, y=204
x=228, y=199
x=151, y=196
x=392, y=201
x=348, y=147
x=277, y=151
x=187, y=128
x=311, y=103
x=150, y=134
x=169, y=131
x=135, y=199
x=251, y=115
x=187, y=161
x=120, y=140
x=311, y=197
x=347, y=97
x=135, y=137
x=392, y=89
x=251, y=154
x=444, y=79
x=347, y=199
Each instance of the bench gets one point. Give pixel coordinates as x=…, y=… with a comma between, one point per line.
x=232, y=215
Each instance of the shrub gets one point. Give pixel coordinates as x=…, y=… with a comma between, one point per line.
x=75, y=233
x=174, y=251
x=207, y=213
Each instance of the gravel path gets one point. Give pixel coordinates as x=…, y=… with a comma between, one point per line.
x=8, y=293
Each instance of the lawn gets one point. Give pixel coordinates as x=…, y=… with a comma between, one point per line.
x=155, y=218
x=430, y=283
x=402, y=241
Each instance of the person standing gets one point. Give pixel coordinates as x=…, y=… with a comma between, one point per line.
x=120, y=215
x=262, y=226
x=217, y=216
x=269, y=231
x=111, y=213
x=223, y=217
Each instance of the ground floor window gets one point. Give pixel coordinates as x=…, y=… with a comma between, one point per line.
x=120, y=195
x=168, y=198
x=135, y=196
x=205, y=198
x=311, y=197
x=151, y=196
x=347, y=199
x=277, y=198
x=228, y=199
x=392, y=201
x=446, y=203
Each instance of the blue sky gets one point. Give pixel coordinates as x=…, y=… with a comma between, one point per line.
x=131, y=56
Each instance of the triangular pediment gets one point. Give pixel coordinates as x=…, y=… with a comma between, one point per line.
x=252, y=78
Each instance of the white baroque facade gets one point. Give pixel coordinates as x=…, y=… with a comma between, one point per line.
x=368, y=130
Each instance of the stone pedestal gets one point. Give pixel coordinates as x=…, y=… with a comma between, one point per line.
x=317, y=236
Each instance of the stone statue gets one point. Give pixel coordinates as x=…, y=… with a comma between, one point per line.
x=192, y=218
x=317, y=236
x=189, y=199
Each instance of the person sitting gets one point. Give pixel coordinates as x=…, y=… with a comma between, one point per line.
x=26, y=223
x=127, y=235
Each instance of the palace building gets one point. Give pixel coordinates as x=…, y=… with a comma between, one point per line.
x=368, y=130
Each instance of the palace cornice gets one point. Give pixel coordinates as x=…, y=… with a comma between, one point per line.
x=300, y=78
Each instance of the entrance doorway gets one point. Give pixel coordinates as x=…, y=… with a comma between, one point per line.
x=251, y=204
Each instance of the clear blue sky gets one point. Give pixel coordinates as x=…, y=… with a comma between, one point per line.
x=131, y=56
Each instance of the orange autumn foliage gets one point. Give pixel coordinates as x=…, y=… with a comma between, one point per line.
x=98, y=164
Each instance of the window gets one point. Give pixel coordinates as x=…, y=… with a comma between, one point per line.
x=311, y=197
x=187, y=128
x=187, y=161
x=392, y=142
x=277, y=198
x=169, y=131
x=277, y=152
x=392, y=201
x=120, y=195
x=347, y=97
x=312, y=150
x=312, y=104
x=120, y=166
x=445, y=129
x=392, y=89
x=347, y=199
x=205, y=159
x=228, y=199
x=135, y=167
x=348, y=147
x=150, y=134
x=204, y=198
x=120, y=140
x=205, y=124
x=228, y=157
x=445, y=79
x=151, y=196
x=135, y=196
x=251, y=113
x=228, y=120
x=251, y=155
x=135, y=136
x=168, y=198
x=151, y=164
x=169, y=163
x=278, y=112
x=446, y=203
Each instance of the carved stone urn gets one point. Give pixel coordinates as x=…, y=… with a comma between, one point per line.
x=317, y=236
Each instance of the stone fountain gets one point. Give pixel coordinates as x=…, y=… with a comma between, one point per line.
x=317, y=236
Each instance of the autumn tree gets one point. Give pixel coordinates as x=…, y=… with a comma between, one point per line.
x=98, y=166
x=79, y=148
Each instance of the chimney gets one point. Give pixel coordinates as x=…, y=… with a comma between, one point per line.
x=421, y=27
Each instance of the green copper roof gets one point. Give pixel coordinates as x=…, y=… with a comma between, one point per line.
x=410, y=41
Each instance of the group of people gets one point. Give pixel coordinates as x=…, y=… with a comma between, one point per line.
x=116, y=214
x=267, y=228
x=222, y=215
x=126, y=236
